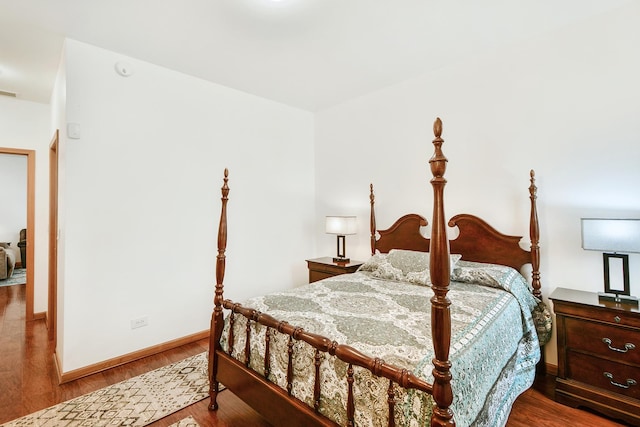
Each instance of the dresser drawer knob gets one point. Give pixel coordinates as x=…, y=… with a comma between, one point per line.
x=628, y=346
x=629, y=383
x=617, y=319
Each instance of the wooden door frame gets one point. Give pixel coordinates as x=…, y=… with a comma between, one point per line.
x=31, y=195
x=52, y=311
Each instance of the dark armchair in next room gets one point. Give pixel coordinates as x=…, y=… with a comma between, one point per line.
x=22, y=244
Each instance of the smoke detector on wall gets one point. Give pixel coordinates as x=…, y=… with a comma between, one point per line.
x=124, y=68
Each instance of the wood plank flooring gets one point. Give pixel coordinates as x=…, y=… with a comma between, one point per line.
x=28, y=380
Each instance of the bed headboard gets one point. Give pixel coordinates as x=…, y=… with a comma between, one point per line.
x=477, y=240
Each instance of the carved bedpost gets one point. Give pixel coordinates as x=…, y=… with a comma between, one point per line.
x=534, y=234
x=440, y=303
x=372, y=221
x=217, y=318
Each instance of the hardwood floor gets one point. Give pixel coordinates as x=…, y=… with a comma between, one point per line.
x=28, y=380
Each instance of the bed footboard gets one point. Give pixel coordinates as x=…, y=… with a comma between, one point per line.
x=272, y=402
x=250, y=385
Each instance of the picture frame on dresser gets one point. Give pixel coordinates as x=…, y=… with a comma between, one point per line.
x=598, y=354
x=616, y=275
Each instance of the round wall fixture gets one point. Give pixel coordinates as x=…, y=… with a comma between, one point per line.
x=124, y=68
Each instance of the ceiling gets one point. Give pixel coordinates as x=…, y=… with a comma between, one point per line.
x=309, y=54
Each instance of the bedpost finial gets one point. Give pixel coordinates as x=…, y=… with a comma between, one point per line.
x=372, y=196
x=437, y=127
x=438, y=161
x=225, y=185
x=532, y=187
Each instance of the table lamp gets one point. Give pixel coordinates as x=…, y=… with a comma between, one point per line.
x=341, y=226
x=612, y=236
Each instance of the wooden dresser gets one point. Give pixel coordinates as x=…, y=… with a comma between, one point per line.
x=598, y=354
x=321, y=268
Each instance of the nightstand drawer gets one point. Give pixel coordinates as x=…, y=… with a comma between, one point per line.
x=614, y=316
x=332, y=270
x=618, y=343
x=321, y=268
x=314, y=276
x=605, y=374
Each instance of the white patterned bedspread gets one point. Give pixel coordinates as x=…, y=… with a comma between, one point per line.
x=494, y=344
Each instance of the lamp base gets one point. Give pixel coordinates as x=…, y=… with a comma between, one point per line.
x=618, y=298
x=339, y=260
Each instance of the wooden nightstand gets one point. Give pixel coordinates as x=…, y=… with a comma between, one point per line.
x=598, y=354
x=321, y=268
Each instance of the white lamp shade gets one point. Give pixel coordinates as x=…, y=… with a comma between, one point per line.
x=611, y=235
x=341, y=225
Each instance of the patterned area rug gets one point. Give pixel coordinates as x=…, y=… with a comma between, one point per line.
x=135, y=402
x=19, y=277
x=187, y=422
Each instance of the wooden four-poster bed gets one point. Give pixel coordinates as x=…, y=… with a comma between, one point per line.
x=265, y=360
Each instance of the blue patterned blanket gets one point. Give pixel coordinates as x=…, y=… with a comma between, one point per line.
x=494, y=346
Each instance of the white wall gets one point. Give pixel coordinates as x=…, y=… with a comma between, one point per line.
x=25, y=125
x=141, y=201
x=13, y=209
x=566, y=105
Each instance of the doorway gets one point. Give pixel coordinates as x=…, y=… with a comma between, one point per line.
x=31, y=177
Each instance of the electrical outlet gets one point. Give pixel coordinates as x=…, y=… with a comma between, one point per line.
x=139, y=322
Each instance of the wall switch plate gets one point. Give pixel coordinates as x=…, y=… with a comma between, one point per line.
x=139, y=322
x=73, y=130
